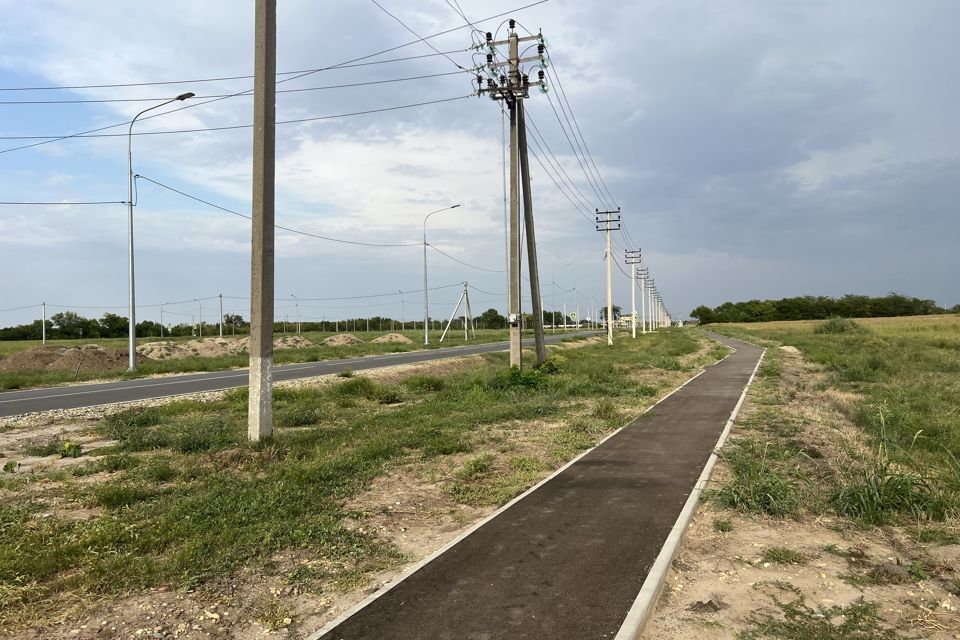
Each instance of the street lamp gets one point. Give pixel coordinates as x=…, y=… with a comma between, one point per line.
x=426, y=297
x=200, y=316
x=553, y=314
x=130, y=281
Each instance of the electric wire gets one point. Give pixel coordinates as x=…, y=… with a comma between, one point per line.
x=64, y=203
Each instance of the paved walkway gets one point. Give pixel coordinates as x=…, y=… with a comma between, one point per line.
x=567, y=561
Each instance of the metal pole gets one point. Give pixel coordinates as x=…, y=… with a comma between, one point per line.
x=220, y=323
x=426, y=293
x=260, y=412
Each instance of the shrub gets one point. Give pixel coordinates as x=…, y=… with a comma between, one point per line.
x=424, y=383
x=880, y=492
x=838, y=325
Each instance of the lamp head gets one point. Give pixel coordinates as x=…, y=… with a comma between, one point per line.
x=184, y=96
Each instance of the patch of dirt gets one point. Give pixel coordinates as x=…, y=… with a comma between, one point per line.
x=843, y=562
x=212, y=347
x=790, y=349
x=341, y=340
x=392, y=338
x=87, y=357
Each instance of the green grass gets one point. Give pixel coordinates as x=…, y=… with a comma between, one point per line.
x=782, y=555
x=905, y=371
x=28, y=379
x=186, y=499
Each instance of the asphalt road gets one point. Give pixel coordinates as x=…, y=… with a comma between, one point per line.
x=88, y=395
x=567, y=561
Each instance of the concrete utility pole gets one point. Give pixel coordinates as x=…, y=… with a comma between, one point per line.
x=609, y=224
x=512, y=89
x=633, y=259
x=643, y=299
x=536, y=301
x=43, y=323
x=220, y=323
x=260, y=413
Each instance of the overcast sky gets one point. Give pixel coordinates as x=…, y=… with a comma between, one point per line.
x=757, y=149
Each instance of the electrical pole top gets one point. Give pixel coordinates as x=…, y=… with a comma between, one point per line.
x=606, y=222
x=515, y=84
x=632, y=256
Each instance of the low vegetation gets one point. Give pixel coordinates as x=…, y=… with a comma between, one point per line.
x=182, y=498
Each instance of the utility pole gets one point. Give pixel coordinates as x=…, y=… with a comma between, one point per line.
x=512, y=88
x=260, y=412
x=43, y=324
x=220, y=323
x=633, y=259
x=643, y=299
x=609, y=224
x=161, y=321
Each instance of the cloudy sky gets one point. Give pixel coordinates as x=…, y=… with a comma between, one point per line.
x=757, y=149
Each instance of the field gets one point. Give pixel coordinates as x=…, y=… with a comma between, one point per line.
x=31, y=378
x=168, y=517
x=834, y=511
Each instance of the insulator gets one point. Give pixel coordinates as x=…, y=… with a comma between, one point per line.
x=490, y=83
x=513, y=23
x=479, y=80
x=540, y=74
x=526, y=79
x=503, y=79
x=489, y=37
x=540, y=49
x=544, y=88
x=489, y=58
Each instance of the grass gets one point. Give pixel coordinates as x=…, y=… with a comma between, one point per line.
x=27, y=379
x=782, y=555
x=903, y=372
x=186, y=499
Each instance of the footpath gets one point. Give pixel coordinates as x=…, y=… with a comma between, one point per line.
x=567, y=560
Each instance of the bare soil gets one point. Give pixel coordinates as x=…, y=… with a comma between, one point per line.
x=85, y=358
x=392, y=338
x=341, y=340
x=212, y=347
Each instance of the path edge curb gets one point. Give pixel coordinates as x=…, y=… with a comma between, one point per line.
x=646, y=600
x=333, y=624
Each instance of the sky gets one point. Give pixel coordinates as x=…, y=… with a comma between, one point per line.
x=756, y=149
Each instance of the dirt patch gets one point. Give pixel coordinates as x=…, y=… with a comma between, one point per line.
x=392, y=338
x=212, y=347
x=342, y=339
x=790, y=349
x=87, y=357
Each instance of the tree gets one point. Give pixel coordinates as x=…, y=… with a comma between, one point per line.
x=492, y=319
x=704, y=314
x=114, y=326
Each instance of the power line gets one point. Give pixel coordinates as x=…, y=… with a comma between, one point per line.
x=226, y=128
x=65, y=203
x=230, y=95
x=419, y=37
x=466, y=264
x=290, y=229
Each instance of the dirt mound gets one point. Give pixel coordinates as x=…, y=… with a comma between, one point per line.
x=212, y=347
x=88, y=357
x=394, y=338
x=292, y=342
x=342, y=339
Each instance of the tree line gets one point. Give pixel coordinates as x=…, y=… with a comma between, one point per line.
x=819, y=308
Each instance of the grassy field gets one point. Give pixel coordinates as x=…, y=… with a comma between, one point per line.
x=27, y=379
x=181, y=499
x=900, y=376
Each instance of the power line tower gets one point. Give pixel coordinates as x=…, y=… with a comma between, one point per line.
x=512, y=88
x=606, y=222
x=632, y=258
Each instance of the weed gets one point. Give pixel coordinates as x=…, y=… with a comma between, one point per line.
x=756, y=486
x=837, y=325
x=531, y=378
x=723, y=526
x=43, y=449
x=938, y=535
x=606, y=409
x=70, y=450
x=860, y=620
x=115, y=495
x=346, y=373
x=782, y=555
x=422, y=383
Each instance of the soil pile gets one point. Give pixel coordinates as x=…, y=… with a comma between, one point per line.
x=88, y=357
x=342, y=339
x=212, y=347
x=393, y=338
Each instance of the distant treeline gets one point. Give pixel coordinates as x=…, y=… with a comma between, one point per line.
x=819, y=308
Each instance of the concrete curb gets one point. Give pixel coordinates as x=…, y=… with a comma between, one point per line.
x=646, y=600
x=422, y=563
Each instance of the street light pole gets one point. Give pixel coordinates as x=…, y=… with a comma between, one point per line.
x=426, y=295
x=296, y=302
x=200, y=324
x=131, y=302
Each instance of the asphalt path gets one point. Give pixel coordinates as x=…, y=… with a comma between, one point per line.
x=567, y=560
x=14, y=403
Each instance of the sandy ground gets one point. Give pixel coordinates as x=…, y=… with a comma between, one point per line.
x=718, y=579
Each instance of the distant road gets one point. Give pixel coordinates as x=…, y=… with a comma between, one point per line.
x=14, y=403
